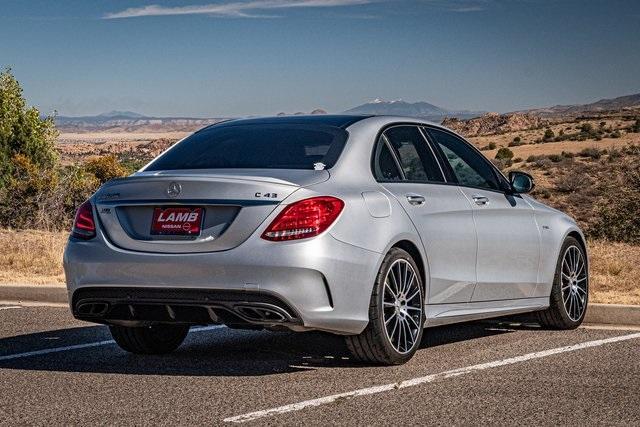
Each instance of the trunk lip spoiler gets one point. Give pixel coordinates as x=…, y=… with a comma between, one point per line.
x=208, y=202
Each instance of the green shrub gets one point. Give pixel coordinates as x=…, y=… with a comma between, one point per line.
x=548, y=135
x=555, y=158
x=105, y=168
x=35, y=190
x=616, y=216
x=490, y=146
x=504, y=154
x=593, y=153
x=586, y=127
x=24, y=135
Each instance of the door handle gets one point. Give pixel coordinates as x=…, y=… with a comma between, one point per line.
x=415, y=199
x=480, y=200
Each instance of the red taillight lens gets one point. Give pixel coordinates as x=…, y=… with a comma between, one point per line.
x=84, y=227
x=306, y=218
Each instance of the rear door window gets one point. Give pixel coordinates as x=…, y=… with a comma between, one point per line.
x=416, y=159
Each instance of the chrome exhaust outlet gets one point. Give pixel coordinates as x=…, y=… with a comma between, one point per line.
x=262, y=313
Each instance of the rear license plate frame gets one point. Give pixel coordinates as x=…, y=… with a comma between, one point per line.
x=177, y=227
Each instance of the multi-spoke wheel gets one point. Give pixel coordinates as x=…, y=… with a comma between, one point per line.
x=402, y=306
x=570, y=291
x=573, y=276
x=396, y=313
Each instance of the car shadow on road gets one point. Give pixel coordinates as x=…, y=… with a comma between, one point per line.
x=218, y=352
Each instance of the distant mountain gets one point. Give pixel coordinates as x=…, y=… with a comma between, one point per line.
x=122, y=114
x=416, y=109
x=128, y=121
x=614, y=104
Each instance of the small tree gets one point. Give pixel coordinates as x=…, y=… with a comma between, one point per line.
x=586, y=128
x=548, y=135
x=105, y=168
x=22, y=131
x=504, y=154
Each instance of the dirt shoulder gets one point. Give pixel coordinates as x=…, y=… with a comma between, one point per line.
x=35, y=257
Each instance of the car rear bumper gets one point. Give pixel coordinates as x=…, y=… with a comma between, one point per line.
x=312, y=284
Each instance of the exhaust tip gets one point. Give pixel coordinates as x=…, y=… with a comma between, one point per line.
x=92, y=309
x=261, y=314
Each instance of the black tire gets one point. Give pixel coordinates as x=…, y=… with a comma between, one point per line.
x=155, y=339
x=556, y=316
x=373, y=345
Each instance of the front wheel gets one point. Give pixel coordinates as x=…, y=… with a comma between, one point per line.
x=570, y=291
x=396, y=313
x=155, y=339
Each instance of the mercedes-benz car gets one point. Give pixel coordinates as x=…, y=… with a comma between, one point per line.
x=370, y=227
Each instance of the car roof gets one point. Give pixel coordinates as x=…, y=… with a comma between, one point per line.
x=337, y=120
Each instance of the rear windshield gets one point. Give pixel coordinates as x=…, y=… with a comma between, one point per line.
x=263, y=146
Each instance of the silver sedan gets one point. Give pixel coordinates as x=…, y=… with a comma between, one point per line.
x=364, y=226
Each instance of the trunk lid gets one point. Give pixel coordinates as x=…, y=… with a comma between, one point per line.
x=233, y=204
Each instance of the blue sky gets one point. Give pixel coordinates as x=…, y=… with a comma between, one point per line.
x=216, y=58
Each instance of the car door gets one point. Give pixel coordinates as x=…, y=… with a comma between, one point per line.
x=508, y=235
x=405, y=164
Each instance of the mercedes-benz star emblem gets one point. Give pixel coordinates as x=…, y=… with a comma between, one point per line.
x=174, y=189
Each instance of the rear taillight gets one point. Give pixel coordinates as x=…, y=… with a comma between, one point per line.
x=84, y=227
x=306, y=218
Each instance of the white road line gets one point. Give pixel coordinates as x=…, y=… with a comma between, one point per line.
x=24, y=304
x=10, y=307
x=81, y=346
x=252, y=416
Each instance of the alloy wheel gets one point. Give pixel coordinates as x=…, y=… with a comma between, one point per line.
x=402, y=306
x=574, y=283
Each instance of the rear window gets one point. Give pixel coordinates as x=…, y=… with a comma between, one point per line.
x=274, y=146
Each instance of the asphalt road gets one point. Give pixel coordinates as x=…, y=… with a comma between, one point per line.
x=56, y=370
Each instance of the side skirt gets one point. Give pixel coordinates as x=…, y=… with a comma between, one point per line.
x=444, y=314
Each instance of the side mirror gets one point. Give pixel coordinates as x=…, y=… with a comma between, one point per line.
x=521, y=182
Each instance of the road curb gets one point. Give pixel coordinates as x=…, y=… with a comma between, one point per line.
x=607, y=314
x=42, y=293
x=613, y=314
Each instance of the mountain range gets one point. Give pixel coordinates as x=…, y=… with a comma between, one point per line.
x=416, y=109
x=128, y=121
x=613, y=104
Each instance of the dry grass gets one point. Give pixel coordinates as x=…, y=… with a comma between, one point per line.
x=529, y=136
x=31, y=256
x=615, y=273
x=35, y=257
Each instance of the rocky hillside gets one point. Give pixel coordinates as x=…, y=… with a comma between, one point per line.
x=493, y=123
x=125, y=121
x=627, y=102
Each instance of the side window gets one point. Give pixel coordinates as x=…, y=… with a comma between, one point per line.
x=469, y=167
x=385, y=166
x=416, y=158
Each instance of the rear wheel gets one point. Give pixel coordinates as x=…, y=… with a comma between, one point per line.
x=570, y=291
x=396, y=313
x=155, y=339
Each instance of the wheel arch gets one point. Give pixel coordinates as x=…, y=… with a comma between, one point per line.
x=579, y=237
x=415, y=253
x=577, y=234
